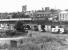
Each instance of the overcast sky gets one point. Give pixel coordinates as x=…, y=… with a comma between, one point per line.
x=16, y=5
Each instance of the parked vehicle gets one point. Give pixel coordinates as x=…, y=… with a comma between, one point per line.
x=43, y=28
x=57, y=29
x=35, y=28
x=39, y=28
x=27, y=27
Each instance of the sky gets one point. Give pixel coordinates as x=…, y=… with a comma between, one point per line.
x=16, y=5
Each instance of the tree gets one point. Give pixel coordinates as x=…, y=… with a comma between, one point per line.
x=19, y=26
x=20, y=15
x=52, y=10
x=24, y=16
x=15, y=15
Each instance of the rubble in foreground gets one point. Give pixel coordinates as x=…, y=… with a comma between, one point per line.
x=41, y=43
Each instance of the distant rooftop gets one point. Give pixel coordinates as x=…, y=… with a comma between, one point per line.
x=63, y=12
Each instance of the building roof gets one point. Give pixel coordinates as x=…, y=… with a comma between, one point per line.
x=43, y=12
x=63, y=12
